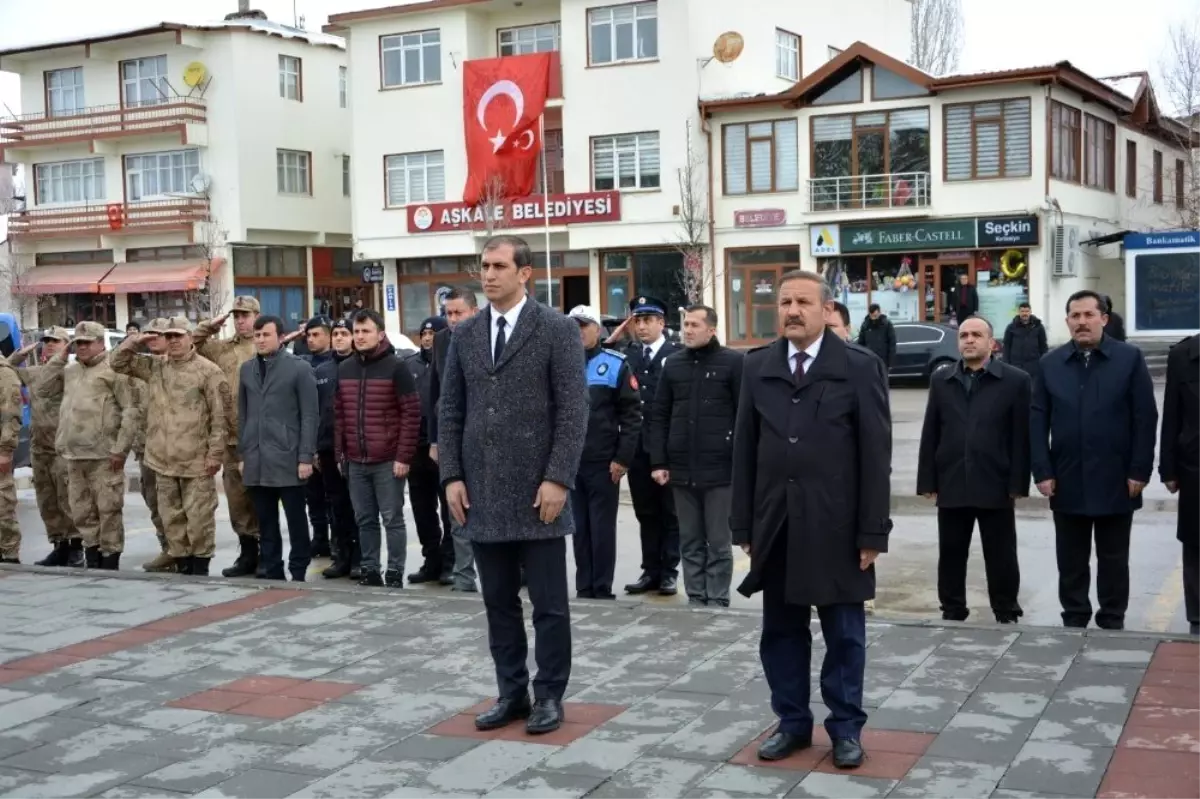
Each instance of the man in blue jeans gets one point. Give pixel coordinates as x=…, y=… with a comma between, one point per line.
x=377, y=421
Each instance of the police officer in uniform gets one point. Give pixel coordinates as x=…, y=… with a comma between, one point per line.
x=652, y=503
x=614, y=425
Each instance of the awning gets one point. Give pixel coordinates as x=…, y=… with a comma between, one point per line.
x=154, y=276
x=62, y=279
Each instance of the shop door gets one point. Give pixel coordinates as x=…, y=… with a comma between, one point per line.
x=929, y=284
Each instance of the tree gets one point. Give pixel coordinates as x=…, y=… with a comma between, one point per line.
x=15, y=265
x=211, y=297
x=699, y=275
x=487, y=216
x=1180, y=80
x=936, y=35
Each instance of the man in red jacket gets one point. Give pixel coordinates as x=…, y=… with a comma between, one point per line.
x=377, y=421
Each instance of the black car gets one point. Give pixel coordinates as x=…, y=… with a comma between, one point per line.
x=922, y=349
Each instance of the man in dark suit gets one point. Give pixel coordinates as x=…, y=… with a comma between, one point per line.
x=964, y=299
x=1094, y=398
x=812, y=461
x=974, y=460
x=653, y=504
x=1179, y=462
x=513, y=418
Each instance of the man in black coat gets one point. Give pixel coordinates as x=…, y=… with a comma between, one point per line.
x=1025, y=341
x=653, y=504
x=1179, y=462
x=964, y=299
x=424, y=485
x=974, y=460
x=878, y=335
x=1094, y=400
x=1115, y=326
x=344, y=528
x=691, y=447
x=812, y=462
x=317, y=341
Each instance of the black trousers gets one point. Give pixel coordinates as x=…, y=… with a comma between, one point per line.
x=427, y=498
x=654, y=506
x=267, y=500
x=998, y=534
x=545, y=564
x=1073, y=547
x=318, y=508
x=1188, y=533
x=594, y=502
x=341, y=510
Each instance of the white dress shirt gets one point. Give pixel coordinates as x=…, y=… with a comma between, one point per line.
x=654, y=348
x=812, y=350
x=510, y=322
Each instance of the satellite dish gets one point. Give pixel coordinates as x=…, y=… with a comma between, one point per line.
x=728, y=47
x=201, y=183
x=194, y=74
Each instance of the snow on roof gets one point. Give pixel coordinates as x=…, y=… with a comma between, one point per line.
x=1127, y=85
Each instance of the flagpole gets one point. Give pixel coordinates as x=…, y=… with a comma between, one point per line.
x=546, y=209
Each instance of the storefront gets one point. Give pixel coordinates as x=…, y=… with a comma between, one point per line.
x=66, y=287
x=909, y=267
x=752, y=280
x=1162, y=284
x=627, y=274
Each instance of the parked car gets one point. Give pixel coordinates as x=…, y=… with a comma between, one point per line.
x=923, y=349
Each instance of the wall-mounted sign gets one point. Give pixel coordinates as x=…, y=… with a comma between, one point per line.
x=1007, y=231
x=564, y=209
x=763, y=217
x=389, y=294
x=372, y=272
x=825, y=240
x=929, y=234
x=1167, y=240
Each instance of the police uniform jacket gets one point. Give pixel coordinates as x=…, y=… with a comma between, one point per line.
x=615, y=409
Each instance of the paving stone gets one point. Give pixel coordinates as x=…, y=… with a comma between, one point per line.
x=1010, y=696
x=487, y=766
x=949, y=673
x=718, y=734
x=940, y=778
x=213, y=766
x=751, y=780
x=86, y=783
x=894, y=650
x=334, y=751
x=924, y=710
x=1128, y=652
x=978, y=644
x=547, y=784
x=1046, y=766
x=138, y=792
x=426, y=747
x=1101, y=684
x=981, y=738
x=1009, y=793
x=79, y=753
x=32, y=708
x=1020, y=667
x=12, y=778
x=259, y=783
x=666, y=711
x=841, y=786
x=716, y=677
x=1081, y=722
x=654, y=777
x=369, y=779
x=602, y=752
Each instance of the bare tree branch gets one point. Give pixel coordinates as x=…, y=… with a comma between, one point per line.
x=487, y=216
x=206, y=301
x=936, y=35
x=1179, y=72
x=699, y=274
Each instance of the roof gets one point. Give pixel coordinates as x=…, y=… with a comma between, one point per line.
x=262, y=26
x=336, y=21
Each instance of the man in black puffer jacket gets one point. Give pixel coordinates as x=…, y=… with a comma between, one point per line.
x=1025, y=341
x=690, y=433
x=878, y=335
x=337, y=495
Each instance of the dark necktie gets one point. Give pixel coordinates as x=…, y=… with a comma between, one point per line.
x=500, y=340
x=647, y=357
x=1087, y=358
x=798, y=372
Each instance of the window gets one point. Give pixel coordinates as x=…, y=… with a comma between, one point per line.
x=73, y=257
x=1180, y=194
x=832, y=52
x=1131, y=180
x=753, y=277
x=160, y=174
x=410, y=59
x=873, y=160
x=415, y=178
x=527, y=39
x=625, y=162
x=70, y=182
x=177, y=253
x=144, y=81
x=887, y=85
x=622, y=33
x=290, y=82
x=1158, y=177
x=553, y=146
x=1065, y=140
x=657, y=273
x=787, y=55
x=988, y=140
x=345, y=176
x=762, y=157
x=64, y=92
x=1099, y=153
x=292, y=172
x=269, y=262
x=343, y=88
x=848, y=90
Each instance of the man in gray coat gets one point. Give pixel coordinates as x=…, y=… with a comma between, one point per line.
x=512, y=422
x=277, y=440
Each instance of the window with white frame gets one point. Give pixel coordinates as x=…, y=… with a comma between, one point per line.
x=415, y=178
x=160, y=174
x=343, y=88
x=345, y=176
x=70, y=182
x=290, y=85
x=64, y=91
x=787, y=55
x=623, y=33
x=527, y=39
x=144, y=81
x=761, y=157
x=292, y=172
x=832, y=52
x=410, y=59
x=628, y=161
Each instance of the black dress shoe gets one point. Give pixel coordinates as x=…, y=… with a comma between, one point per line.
x=393, y=578
x=423, y=575
x=781, y=744
x=503, y=713
x=546, y=716
x=669, y=587
x=847, y=753
x=374, y=579
x=584, y=595
x=1194, y=629
x=446, y=578
x=644, y=583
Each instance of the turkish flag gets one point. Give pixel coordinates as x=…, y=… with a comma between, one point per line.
x=502, y=101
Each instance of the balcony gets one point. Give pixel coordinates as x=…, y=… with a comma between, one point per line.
x=898, y=190
x=100, y=122
x=113, y=219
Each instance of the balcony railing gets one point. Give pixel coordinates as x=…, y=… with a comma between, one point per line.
x=869, y=192
x=100, y=122
x=112, y=219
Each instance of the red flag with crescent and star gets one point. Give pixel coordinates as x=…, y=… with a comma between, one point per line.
x=503, y=99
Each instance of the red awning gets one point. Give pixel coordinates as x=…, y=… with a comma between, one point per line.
x=62, y=279
x=155, y=276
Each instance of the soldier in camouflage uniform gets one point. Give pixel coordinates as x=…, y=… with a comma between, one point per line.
x=97, y=423
x=188, y=401
x=10, y=431
x=155, y=345
x=49, y=469
x=229, y=354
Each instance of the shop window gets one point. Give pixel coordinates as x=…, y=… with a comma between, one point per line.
x=1002, y=283
x=69, y=310
x=270, y=262
x=873, y=160
x=656, y=273
x=73, y=257
x=849, y=278
x=753, y=279
x=134, y=254
x=144, y=307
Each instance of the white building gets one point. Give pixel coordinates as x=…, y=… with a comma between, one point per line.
x=624, y=108
x=169, y=166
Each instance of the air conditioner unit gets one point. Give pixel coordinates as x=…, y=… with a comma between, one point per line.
x=1064, y=251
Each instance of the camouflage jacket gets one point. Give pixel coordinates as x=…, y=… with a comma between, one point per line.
x=187, y=403
x=229, y=354
x=99, y=415
x=140, y=395
x=43, y=406
x=10, y=408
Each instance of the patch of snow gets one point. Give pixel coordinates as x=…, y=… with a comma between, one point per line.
x=265, y=26
x=1127, y=85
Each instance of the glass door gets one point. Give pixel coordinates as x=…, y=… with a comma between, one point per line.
x=764, y=317
x=929, y=284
